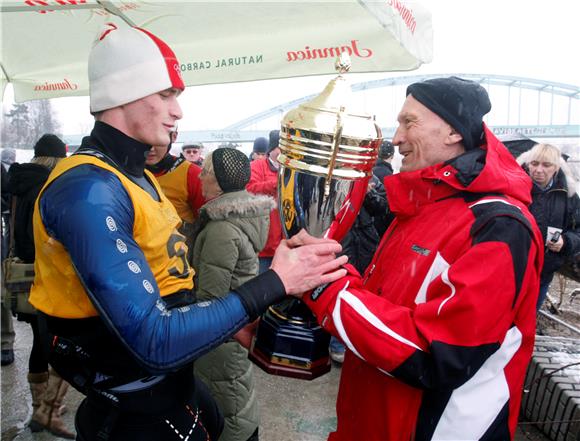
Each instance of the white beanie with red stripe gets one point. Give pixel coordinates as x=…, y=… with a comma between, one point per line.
x=128, y=63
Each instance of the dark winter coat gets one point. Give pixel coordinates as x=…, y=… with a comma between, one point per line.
x=363, y=238
x=558, y=207
x=382, y=169
x=26, y=181
x=5, y=190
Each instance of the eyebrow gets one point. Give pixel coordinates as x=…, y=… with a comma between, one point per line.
x=403, y=115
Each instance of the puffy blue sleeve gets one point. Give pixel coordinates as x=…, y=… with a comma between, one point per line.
x=97, y=231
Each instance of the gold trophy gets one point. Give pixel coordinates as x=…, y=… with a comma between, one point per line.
x=326, y=160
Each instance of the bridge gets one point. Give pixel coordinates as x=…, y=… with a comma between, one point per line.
x=531, y=107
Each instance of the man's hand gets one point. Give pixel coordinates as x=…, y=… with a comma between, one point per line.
x=305, y=262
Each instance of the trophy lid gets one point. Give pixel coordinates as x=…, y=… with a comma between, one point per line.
x=325, y=136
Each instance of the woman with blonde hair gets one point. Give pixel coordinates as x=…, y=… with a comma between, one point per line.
x=555, y=206
x=46, y=386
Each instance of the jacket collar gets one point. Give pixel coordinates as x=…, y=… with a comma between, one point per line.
x=167, y=164
x=127, y=153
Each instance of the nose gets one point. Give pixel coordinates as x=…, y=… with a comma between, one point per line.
x=398, y=139
x=175, y=109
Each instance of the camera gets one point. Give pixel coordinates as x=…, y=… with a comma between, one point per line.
x=555, y=237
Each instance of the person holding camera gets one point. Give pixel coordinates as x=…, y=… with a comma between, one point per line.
x=556, y=208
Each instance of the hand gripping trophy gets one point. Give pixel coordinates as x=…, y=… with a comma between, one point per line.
x=326, y=160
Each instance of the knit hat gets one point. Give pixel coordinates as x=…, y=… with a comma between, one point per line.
x=386, y=150
x=231, y=168
x=260, y=145
x=461, y=103
x=274, y=140
x=50, y=145
x=127, y=64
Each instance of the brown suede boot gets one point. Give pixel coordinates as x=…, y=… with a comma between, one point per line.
x=47, y=415
x=37, y=383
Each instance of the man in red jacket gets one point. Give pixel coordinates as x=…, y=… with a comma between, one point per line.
x=441, y=327
x=264, y=180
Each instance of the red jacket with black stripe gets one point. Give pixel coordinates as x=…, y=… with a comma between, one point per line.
x=441, y=328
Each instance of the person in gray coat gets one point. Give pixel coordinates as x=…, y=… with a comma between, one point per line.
x=232, y=228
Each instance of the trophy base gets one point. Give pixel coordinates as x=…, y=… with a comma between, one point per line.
x=289, y=342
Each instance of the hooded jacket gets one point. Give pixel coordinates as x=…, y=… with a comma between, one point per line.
x=441, y=329
x=233, y=228
x=26, y=181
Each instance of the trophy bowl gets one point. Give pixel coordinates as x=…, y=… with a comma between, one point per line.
x=327, y=153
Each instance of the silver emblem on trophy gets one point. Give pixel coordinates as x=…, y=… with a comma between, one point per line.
x=326, y=160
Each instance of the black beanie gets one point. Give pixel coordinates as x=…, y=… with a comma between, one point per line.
x=274, y=140
x=231, y=168
x=386, y=150
x=260, y=145
x=50, y=145
x=461, y=103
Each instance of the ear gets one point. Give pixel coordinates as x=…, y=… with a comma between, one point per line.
x=453, y=137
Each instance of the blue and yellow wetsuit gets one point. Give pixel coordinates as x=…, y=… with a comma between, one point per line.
x=109, y=260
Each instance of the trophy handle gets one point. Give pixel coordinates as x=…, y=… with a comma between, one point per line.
x=347, y=214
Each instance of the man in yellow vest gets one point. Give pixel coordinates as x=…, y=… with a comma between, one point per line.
x=179, y=180
x=113, y=285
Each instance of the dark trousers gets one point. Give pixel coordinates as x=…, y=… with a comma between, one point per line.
x=544, y=286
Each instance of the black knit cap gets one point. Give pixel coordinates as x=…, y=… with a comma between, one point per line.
x=260, y=145
x=274, y=140
x=50, y=145
x=231, y=168
x=461, y=103
x=386, y=150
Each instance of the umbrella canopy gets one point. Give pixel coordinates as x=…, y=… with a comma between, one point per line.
x=45, y=43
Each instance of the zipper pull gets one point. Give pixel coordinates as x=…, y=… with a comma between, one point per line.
x=369, y=272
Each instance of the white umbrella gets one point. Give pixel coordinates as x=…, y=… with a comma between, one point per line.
x=45, y=43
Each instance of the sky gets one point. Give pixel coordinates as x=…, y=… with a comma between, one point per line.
x=527, y=38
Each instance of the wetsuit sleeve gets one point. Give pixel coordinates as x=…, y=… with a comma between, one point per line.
x=77, y=209
x=466, y=318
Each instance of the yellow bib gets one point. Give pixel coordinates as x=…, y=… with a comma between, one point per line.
x=57, y=290
x=174, y=185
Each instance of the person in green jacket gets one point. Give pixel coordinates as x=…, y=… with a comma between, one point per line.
x=232, y=228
